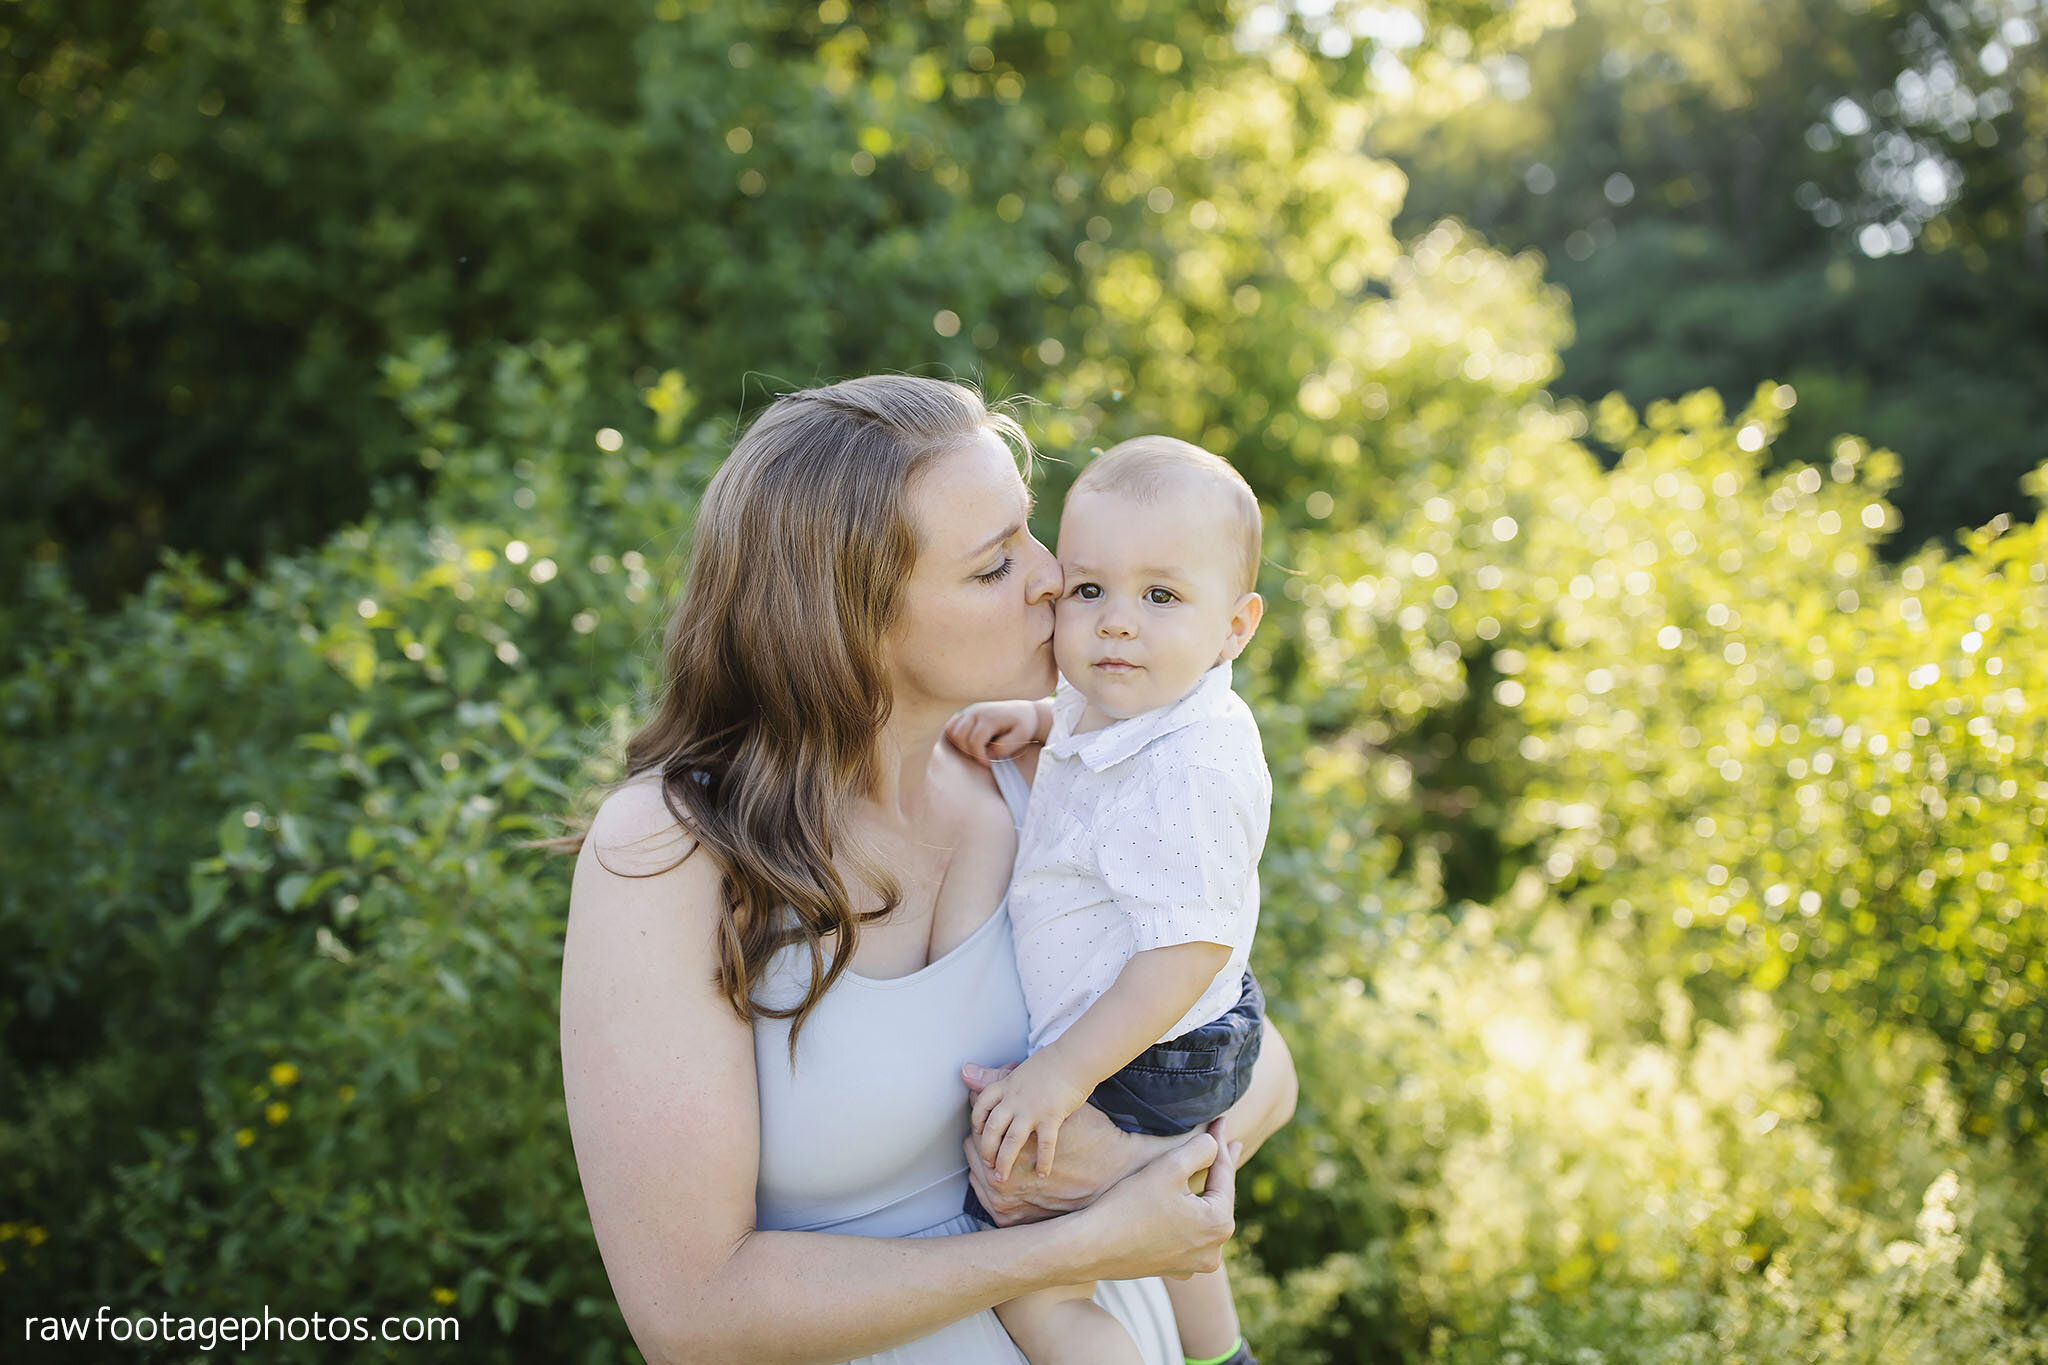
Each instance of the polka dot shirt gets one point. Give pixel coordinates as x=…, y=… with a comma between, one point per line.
x=1142, y=834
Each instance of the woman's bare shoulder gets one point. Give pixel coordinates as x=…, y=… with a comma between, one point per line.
x=968, y=792
x=637, y=830
x=642, y=867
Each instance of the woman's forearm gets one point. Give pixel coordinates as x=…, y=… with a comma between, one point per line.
x=1094, y=1155
x=859, y=1295
x=1268, y=1102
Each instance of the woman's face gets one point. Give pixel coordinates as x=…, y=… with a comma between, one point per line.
x=976, y=621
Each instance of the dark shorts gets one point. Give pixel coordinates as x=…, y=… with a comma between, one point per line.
x=1181, y=1084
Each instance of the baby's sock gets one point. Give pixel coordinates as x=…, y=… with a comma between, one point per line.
x=1239, y=1354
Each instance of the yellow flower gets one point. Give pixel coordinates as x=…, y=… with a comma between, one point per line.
x=37, y=1236
x=284, y=1073
x=443, y=1295
x=276, y=1111
x=347, y=1093
x=244, y=1136
x=9, y=1230
x=1606, y=1242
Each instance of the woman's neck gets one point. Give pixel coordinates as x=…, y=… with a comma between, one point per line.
x=903, y=763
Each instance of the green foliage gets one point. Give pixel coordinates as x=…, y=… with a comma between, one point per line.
x=1540, y=1158
x=1848, y=753
x=222, y=217
x=1653, y=895
x=322, y=975
x=1757, y=825
x=1705, y=178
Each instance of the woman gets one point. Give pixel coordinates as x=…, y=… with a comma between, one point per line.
x=787, y=945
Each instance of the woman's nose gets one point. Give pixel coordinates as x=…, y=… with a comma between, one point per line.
x=1043, y=581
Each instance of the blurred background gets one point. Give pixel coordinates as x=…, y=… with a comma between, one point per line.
x=1647, y=402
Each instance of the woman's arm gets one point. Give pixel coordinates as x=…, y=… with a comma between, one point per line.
x=1154, y=988
x=1094, y=1154
x=658, y=1075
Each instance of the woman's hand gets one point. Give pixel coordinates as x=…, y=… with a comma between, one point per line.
x=1149, y=1223
x=1093, y=1155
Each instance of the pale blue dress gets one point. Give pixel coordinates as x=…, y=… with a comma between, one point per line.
x=863, y=1134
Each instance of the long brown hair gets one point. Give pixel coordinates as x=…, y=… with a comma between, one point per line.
x=774, y=690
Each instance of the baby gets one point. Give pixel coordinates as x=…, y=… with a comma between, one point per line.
x=1136, y=890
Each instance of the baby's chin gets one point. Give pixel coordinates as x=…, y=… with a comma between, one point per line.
x=1113, y=701
x=1083, y=679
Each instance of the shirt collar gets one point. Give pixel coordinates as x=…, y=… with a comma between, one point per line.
x=1120, y=739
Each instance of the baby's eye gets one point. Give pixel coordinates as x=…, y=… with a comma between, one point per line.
x=1160, y=597
x=1087, y=591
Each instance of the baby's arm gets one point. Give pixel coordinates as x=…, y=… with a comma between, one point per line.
x=999, y=729
x=1155, y=988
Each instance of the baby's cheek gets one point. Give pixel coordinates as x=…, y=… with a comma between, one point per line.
x=1067, y=633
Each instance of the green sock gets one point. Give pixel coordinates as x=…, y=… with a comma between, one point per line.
x=1216, y=1360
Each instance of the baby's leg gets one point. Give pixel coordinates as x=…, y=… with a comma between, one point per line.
x=1205, y=1314
x=1065, y=1326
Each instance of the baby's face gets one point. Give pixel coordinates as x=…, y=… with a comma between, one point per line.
x=1152, y=599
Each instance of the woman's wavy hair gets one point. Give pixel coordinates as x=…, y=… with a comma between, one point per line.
x=774, y=688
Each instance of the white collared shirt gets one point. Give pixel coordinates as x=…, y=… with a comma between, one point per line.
x=1142, y=834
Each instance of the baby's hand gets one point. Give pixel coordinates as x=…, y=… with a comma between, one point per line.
x=1033, y=1099
x=993, y=729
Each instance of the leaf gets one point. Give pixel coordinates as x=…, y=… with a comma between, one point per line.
x=291, y=832
x=232, y=834
x=470, y=1292
x=292, y=890
x=205, y=892
x=359, y=663
x=452, y=984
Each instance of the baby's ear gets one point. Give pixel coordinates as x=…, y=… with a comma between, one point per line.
x=1244, y=619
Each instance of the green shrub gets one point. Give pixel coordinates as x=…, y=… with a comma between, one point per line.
x=324, y=976
x=1734, y=957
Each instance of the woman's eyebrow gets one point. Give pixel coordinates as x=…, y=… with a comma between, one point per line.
x=1012, y=529
x=1030, y=501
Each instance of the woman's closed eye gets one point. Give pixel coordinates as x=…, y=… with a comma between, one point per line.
x=1000, y=571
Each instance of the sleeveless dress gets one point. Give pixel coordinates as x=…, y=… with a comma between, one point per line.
x=862, y=1135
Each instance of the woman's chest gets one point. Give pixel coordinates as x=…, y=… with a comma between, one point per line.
x=944, y=901
x=866, y=1123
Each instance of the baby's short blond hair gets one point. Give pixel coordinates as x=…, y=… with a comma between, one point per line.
x=1149, y=467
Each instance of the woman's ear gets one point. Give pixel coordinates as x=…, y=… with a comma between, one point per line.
x=1244, y=619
